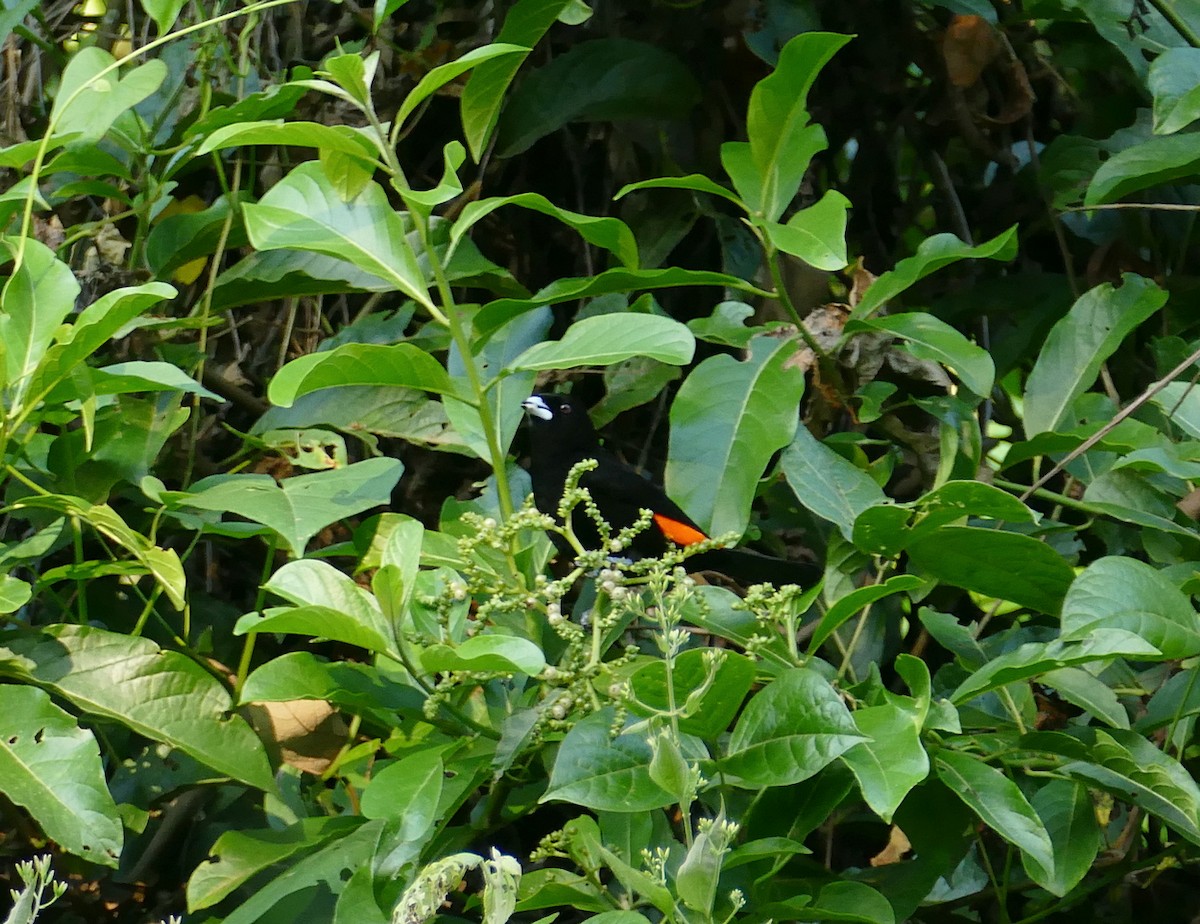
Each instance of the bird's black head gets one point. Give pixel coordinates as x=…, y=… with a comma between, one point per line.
x=560, y=418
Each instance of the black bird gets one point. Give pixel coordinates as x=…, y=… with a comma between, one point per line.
x=561, y=435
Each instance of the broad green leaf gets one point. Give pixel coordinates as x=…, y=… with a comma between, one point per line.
x=329, y=867
x=163, y=564
x=694, y=181
x=831, y=487
x=52, y=767
x=93, y=327
x=603, y=79
x=163, y=12
x=14, y=593
x=996, y=799
x=793, y=728
x=847, y=900
x=303, y=211
x=340, y=138
x=1153, y=162
x=727, y=421
x=482, y=98
x=324, y=603
x=186, y=236
x=237, y=855
x=856, y=600
x=612, y=234
x=726, y=325
x=1088, y=693
x=408, y=789
x=354, y=74
x=933, y=339
x=1079, y=343
x=817, y=234
x=161, y=694
x=1174, y=81
x=1122, y=593
x=933, y=254
x=1132, y=497
x=140, y=376
x=892, y=760
x=997, y=563
x=777, y=122
x=1035, y=658
x=91, y=95
x=444, y=73
x=400, y=365
x=505, y=392
x=1136, y=771
x=603, y=773
x=299, y=507
x=708, y=710
x=604, y=339
x=1067, y=810
x=501, y=653
x=35, y=300
x=496, y=314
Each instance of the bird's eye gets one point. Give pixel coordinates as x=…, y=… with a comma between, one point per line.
x=565, y=409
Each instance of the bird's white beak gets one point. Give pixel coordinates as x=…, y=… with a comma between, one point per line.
x=538, y=408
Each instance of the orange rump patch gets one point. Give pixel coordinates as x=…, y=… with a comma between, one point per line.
x=679, y=533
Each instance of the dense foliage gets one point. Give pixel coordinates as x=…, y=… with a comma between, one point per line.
x=901, y=289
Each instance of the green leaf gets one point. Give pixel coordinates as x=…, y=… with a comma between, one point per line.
x=600, y=772
x=1135, y=771
x=1174, y=81
x=696, y=182
x=399, y=365
x=324, y=603
x=35, y=300
x=603, y=79
x=504, y=654
x=163, y=564
x=238, y=855
x=933, y=254
x=1079, y=343
x=996, y=799
x=163, y=12
x=604, y=339
x=1081, y=689
x=892, y=760
x=831, y=487
x=1007, y=565
x=93, y=327
x=496, y=314
x=796, y=726
x=330, y=138
x=777, y=121
x=817, y=234
x=482, y=98
x=303, y=211
x=161, y=694
x=1035, y=658
x=1122, y=593
x=444, y=73
x=856, y=600
x=707, y=710
x=141, y=376
x=301, y=506
x=91, y=95
x=1067, y=810
x=1153, y=162
x=611, y=234
x=14, y=593
x=52, y=767
x=931, y=338
x=727, y=421
x=408, y=789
